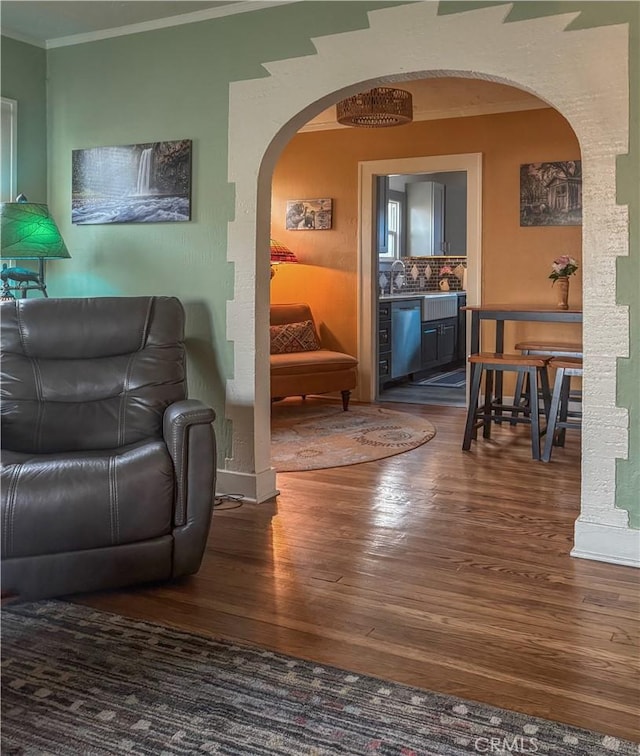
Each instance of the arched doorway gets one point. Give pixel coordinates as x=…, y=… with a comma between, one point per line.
x=561, y=69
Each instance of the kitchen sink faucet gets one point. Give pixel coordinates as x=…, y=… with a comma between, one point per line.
x=400, y=278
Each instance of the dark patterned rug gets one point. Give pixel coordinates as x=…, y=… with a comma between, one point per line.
x=78, y=681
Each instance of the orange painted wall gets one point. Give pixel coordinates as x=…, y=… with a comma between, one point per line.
x=516, y=261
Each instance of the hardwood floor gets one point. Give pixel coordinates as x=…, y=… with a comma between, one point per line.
x=443, y=569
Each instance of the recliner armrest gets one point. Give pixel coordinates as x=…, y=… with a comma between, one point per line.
x=178, y=419
x=186, y=412
x=191, y=441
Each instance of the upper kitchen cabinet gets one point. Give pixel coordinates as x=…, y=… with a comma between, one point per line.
x=421, y=214
x=425, y=218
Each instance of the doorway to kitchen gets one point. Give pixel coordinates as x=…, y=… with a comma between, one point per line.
x=418, y=270
x=421, y=253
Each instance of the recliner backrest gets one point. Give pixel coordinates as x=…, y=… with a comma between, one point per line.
x=89, y=373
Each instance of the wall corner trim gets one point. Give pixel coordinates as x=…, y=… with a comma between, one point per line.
x=606, y=543
x=252, y=487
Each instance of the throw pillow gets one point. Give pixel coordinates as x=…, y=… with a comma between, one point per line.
x=294, y=337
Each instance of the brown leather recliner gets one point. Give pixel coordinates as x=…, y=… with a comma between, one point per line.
x=108, y=470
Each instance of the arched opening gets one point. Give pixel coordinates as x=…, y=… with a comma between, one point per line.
x=275, y=107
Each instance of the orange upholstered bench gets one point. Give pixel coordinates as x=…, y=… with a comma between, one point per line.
x=299, y=364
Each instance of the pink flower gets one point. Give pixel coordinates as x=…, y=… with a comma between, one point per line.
x=563, y=267
x=563, y=260
x=445, y=271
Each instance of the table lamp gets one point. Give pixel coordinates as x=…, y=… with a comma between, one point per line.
x=280, y=254
x=27, y=232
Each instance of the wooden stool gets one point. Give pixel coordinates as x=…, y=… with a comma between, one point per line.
x=560, y=418
x=533, y=366
x=548, y=349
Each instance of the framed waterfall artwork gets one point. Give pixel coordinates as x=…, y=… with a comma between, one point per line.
x=133, y=183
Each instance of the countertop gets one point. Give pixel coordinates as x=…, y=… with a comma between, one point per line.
x=418, y=295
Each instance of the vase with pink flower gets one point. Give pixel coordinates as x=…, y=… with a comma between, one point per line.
x=445, y=272
x=563, y=267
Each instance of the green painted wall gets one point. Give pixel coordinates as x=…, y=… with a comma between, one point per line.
x=173, y=83
x=162, y=85
x=24, y=78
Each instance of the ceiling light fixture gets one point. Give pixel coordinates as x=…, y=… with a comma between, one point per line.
x=376, y=108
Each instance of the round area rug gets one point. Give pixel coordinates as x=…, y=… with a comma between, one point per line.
x=308, y=437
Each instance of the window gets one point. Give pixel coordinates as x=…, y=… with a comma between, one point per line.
x=8, y=152
x=390, y=230
x=393, y=228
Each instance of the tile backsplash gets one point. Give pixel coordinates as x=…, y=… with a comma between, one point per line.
x=424, y=274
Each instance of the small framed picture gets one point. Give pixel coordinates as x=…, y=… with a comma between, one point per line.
x=551, y=194
x=308, y=215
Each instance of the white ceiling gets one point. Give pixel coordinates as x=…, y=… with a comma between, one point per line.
x=50, y=23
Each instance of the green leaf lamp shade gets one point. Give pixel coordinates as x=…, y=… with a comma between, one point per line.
x=28, y=232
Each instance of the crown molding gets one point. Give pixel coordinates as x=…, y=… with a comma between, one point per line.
x=23, y=38
x=242, y=6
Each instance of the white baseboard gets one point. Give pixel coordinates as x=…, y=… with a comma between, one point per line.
x=606, y=543
x=254, y=487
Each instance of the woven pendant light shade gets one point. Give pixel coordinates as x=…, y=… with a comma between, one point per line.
x=376, y=108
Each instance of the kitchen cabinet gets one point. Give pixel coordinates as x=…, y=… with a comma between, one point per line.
x=384, y=342
x=408, y=345
x=439, y=342
x=425, y=218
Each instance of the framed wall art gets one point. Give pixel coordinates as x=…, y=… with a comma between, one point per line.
x=133, y=183
x=309, y=215
x=551, y=194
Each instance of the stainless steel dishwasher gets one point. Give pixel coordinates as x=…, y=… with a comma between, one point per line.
x=405, y=337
